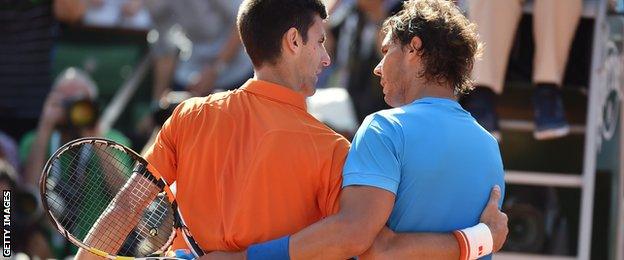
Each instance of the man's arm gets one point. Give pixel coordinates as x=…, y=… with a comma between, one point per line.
x=37, y=154
x=390, y=245
x=69, y=11
x=164, y=66
x=210, y=72
x=364, y=211
x=110, y=219
x=348, y=233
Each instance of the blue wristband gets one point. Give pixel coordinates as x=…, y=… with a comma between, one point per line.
x=184, y=254
x=276, y=249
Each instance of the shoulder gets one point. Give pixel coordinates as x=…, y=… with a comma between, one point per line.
x=382, y=130
x=389, y=121
x=197, y=105
x=414, y=117
x=317, y=134
x=330, y=146
x=390, y=116
x=341, y=145
x=326, y=137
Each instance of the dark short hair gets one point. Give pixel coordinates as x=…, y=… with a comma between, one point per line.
x=449, y=40
x=262, y=23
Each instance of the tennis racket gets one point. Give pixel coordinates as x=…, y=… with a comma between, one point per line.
x=101, y=196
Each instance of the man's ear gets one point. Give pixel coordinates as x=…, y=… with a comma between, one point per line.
x=414, y=47
x=292, y=41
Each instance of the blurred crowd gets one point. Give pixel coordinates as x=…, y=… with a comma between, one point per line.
x=196, y=51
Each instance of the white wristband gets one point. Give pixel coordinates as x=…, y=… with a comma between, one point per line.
x=475, y=242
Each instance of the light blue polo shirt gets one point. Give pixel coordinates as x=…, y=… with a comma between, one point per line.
x=437, y=160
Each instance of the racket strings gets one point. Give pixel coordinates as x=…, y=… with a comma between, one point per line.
x=68, y=189
x=154, y=224
x=84, y=182
x=91, y=197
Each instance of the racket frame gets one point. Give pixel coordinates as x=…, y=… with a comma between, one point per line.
x=143, y=170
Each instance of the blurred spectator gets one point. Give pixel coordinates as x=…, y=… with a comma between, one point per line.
x=554, y=26
x=162, y=111
x=8, y=150
x=70, y=112
x=357, y=49
x=167, y=104
x=211, y=56
x=129, y=14
x=27, y=30
x=27, y=234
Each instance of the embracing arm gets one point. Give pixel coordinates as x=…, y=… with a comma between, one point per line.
x=110, y=219
x=363, y=214
x=364, y=211
x=389, y=245
x=346, y=235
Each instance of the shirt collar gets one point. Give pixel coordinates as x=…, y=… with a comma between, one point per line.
x=275, y=92
x=436, y=100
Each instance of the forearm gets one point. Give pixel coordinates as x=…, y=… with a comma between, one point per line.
x=69, y=11
x=363, y=213
x=113, y=228
x=469, y=243
x=121, y=215
x=114, y=239
x=85, y=255
x=37, y=155
x=421, y=246
x=163, y=67
x=331, y=238
x=110, y=227
x=230, y=48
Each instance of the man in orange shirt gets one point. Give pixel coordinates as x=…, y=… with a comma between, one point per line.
x=251, y=165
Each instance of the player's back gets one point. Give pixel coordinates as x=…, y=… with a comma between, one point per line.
x=253, y=165
x=450, y=165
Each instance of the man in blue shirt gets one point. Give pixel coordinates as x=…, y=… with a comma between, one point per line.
x=424, y=167
x=431, y=154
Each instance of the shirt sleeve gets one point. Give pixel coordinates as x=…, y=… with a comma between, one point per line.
x=328, y=199
x=374, y=157
x=162, y=153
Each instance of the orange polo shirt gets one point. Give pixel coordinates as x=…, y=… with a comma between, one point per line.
x=250, y=165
